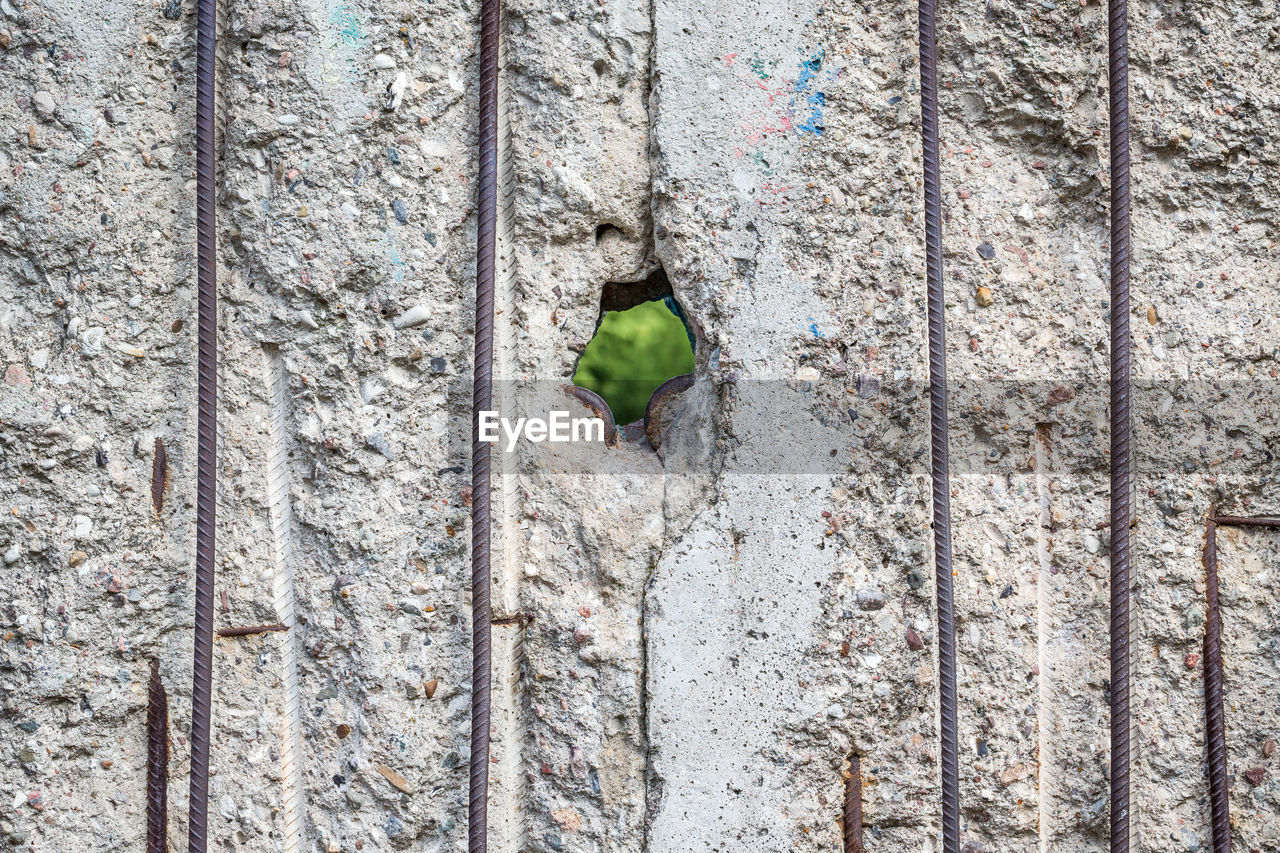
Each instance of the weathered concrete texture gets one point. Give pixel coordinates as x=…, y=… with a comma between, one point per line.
x=348, y=194
x=344, y=210
x=754, y=708
x=94, y=228
x=1248, y=561
x=691, y=642
x=801, y=252
x=584, y=524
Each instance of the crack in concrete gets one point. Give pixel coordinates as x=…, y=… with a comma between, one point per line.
x=1044, y=545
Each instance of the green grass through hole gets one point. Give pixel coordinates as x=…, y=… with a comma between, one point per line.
x=634, y=352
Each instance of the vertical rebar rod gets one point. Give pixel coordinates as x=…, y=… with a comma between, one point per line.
x=206, y=428
x=157, y=763
x=482, y=400
x=1121, y=422
x=1215, y=720
x=853, y=806
x=938, y=428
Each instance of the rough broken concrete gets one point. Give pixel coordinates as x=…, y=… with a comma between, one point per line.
x=693, y=641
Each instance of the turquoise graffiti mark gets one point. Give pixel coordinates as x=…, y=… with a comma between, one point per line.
x=346, y=23
x=763, y=70
x=393, y=255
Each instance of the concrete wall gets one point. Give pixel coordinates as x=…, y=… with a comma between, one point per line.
x=694, y=640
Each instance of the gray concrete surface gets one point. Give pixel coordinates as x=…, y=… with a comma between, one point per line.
x=696, y=639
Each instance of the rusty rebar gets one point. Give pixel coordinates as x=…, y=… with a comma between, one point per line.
x=250, y=630
x=1244, y=521
x=1215, y=719
x=157, y=763
x=598, y=407
x=853, y=806
x=939, y=441
x=159, y=475
x=206, y=428
x=1121, y=421
x=482, y=400
x=655, y=417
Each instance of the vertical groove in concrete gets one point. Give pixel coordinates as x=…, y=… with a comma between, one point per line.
x=506, y=826
x=648, y=780
x=504, y=352
x=277, y=477
x=1044, y=546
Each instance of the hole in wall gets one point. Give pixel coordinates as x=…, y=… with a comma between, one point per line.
x=642, y=341
x=605, y=228
x=622, y=295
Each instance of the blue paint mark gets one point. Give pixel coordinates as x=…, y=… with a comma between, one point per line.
x=816, y=101
x=813, y=328
x=813, y=124
x=809, y=70
x=674, y=308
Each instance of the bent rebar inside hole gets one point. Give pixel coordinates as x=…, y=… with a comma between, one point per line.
x=642, y=341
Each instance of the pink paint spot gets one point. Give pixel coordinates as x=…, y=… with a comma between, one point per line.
x=15, y=375
x=729, y=58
